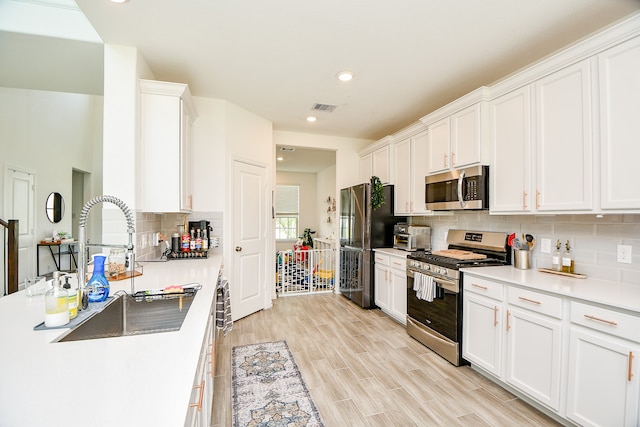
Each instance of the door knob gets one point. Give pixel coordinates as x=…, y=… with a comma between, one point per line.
x=238, y=248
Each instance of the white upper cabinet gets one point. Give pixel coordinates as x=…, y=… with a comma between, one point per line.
x=564, y=147
x=619, y=84
x=166, y=115
x=510, y=175
x=542, y=155
x=410, y=169
x=458, y=133
x=375, y=160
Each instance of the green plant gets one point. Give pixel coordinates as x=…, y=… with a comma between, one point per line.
x=307, y=240
x=377, y=193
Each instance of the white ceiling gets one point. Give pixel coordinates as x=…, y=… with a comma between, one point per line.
x=277, y=58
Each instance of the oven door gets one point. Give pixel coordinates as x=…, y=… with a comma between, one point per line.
x=443, y=314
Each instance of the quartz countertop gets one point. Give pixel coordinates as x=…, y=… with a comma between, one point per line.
x=393, y=252
x=614, y=294
x=142, y=380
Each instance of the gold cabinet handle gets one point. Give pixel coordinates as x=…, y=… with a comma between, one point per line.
x=453, y=159
x=479, y=286
x=630, y=372
x=495, y=316
x=529, y=300
x=524, y=200
x=608, y=322
x=537, y=200
x=508, y=314
x=201, y=398
x=445, y=161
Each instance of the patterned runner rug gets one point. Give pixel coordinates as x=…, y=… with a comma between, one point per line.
x=268, y=389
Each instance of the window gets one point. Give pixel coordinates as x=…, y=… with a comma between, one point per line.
x=287, y=214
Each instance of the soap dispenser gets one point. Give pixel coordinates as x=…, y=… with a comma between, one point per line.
x=56, y=304
x=567, y=259
x=98, y=286
x=556, y=258
x=72, y=298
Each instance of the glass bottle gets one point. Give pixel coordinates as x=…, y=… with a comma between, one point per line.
x=117, y=262
x=205, y=241
x=192, y=242
x=198, y=240
x=98, y=285
x=567, y=259
x=185, y=240
x=556, y=258
x=56, y=304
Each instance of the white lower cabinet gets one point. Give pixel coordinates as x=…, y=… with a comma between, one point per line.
x=586, y=370
x=482, y=329
x=604, y=368
x=391, y=285
x=201, y=401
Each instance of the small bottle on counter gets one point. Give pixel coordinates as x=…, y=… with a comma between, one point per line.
x=567, y=259
x=72, y=298
x=205, y=241
x=56, y=304
x=556, y=258
x=185, y=241
x=198, y=241
x=192, y=242
x=175, y=243
x=98, y=286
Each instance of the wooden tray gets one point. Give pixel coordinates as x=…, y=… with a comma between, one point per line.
x=459, y=254
x=562, y=273
x=122, y=276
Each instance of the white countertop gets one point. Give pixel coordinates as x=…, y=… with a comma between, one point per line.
x=143, y=380
x=614, y=294
x=393, y=252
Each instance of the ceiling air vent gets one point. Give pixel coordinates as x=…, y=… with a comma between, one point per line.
x=323, y=107
x=287, y=149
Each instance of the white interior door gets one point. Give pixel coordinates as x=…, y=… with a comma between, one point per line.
x=248, y=287
x=20, y=205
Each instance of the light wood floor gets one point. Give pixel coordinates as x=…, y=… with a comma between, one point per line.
x=362, y=369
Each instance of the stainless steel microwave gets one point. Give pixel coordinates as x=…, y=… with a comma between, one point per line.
x=458, y=189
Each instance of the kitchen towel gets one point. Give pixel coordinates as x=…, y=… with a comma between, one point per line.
x=223, y=306
x=424, y=286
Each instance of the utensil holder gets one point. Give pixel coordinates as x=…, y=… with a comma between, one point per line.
x=521, y=259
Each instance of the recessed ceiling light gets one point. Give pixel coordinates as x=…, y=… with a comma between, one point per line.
x=311, y=119
x=279, y=159
x=119, y=1
x=344, y=76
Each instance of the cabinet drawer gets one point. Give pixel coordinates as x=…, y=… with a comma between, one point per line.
x=398, y=263
x=535, y=301
x=381, y=258
x=605, y=320
x=483, y=287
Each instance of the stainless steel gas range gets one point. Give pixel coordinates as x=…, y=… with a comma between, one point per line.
x=434, y=288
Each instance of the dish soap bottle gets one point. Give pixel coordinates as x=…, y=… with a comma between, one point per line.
x=98, y=285
x=72, y=298
x=56, y=304
x=556, y=258
x=567, y=259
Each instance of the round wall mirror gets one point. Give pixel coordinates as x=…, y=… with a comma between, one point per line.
x=55, y=207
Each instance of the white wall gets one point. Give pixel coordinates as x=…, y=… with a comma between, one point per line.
x=594, y=240
x=50, y=134
x=327, y=188
x=308, y=198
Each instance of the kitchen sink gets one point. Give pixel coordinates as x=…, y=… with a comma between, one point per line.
x=128, y=315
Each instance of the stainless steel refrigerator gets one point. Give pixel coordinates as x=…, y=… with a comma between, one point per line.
x=361, y=230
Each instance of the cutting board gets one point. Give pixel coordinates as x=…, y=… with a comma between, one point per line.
x=459, y=254
x=122, y=276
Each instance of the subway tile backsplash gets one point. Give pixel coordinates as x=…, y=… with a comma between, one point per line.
x=594, y=240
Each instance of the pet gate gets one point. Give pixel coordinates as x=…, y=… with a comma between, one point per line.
x=303, y=270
